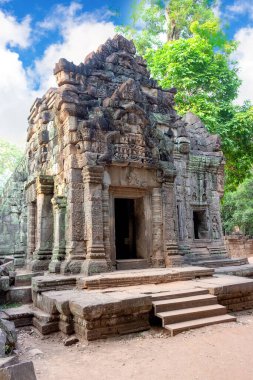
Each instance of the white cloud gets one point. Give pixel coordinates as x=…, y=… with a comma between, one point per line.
x=240, y=7
x=14, y=33
x=217, y=8
x=15, y=96
x=244, y=55
x=80, y=33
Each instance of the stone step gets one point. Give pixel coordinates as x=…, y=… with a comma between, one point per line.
x=221, y=263
x=43, y=316
x=178, y=294
x=183, y=303
x=25, y=279
x=197, y=258
x=46, y=328
x=141, y=277
x=176, y=328
x=131, y=264
x=20, y=294
x=21, y=315
x=191, y=313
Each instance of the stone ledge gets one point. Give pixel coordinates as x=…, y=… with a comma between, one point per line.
x=141, y=277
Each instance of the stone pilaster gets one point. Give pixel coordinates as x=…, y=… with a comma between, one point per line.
x=95, y=259
x=106, y=222
x=157, y=255
x=44, y=224
x=75, y=223
x=59, y=251
x=31, y=230
x=170, y=241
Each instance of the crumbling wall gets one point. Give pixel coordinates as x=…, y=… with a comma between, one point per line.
x=13, y=217
x=239, y=246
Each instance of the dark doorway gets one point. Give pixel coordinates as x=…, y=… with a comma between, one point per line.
x=200, y=224
x=125, y=231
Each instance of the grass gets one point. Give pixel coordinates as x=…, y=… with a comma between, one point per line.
x=11, y=305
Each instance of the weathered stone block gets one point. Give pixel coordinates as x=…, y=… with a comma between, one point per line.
x=21, y=371
x=4, y=283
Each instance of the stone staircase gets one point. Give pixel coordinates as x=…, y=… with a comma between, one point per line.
x=215, y=257
x=188, y=309
x=21, y=291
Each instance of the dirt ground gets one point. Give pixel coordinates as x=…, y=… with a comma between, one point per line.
x=219, y=352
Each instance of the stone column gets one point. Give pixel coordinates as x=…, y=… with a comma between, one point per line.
x=172, y=257
x=157, y=222
x=74, y=228
x=44, y=230
x=31, y=230
x=106, y=222
x=59, y=211
x=95, y=259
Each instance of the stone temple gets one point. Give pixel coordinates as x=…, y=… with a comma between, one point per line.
x=113, y=178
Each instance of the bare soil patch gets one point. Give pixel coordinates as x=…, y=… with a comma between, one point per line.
x=216, y=352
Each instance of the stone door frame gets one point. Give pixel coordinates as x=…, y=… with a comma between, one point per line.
x=205, y=208
x=131, y=193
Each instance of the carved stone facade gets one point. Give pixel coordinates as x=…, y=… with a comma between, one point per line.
x=114, y=174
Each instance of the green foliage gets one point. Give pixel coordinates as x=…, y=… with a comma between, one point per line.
x=148, y=24
x=197, y=59
x=237, y=137
x=206, y=80
x=154, y=21
x=237, y=208
x=10, y=155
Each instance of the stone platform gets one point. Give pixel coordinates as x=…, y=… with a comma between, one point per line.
x=124, y=302
x=240, y=270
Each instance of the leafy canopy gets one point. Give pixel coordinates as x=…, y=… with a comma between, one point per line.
x=237, y=208
x=185, y=47
x=10, y=155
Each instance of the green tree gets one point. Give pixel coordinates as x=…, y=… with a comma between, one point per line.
x=196, y=58
x=10, y=155
x=237, y=208
x=155, y=21
x=205, y=78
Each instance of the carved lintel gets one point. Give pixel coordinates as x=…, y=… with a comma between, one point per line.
x=45, y=184
x=93, y=174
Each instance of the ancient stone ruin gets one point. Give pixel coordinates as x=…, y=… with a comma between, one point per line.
x=113, y=177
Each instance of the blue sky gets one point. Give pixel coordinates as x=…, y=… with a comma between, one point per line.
x=34, y=34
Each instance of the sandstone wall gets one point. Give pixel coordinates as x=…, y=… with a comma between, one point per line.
x=13, y=217
x=239, y=246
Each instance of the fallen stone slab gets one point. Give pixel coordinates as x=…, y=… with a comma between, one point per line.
x=8, y=361
x=20, y=371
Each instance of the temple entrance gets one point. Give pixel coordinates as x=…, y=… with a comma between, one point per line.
x=200, y=224
x=125, y=229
